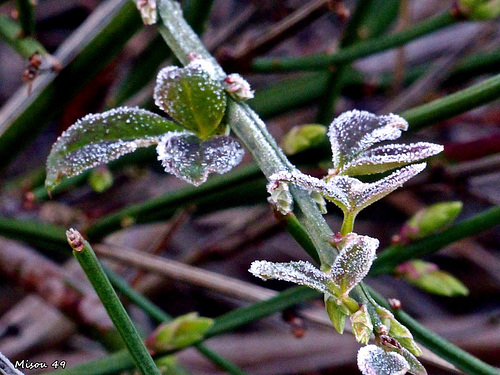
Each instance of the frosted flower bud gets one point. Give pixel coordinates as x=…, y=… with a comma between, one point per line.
x=238, y=87
x=147, y=8
x=362, y=326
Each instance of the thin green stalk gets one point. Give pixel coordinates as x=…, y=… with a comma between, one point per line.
x=443, y=348
x=85, y=255
x=10, y=32
x=26, y=17
x=336, y=79
x=397, y=254
x=455, y=104
x=358, y=50
x=82, y=55
x=160, y=316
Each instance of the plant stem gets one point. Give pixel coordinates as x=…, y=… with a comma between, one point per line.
x=397, y=254
x=10, y=32
x=26, y=17
x=160, y=316
x=85, y=255
x=361, y=49
x=454, y=104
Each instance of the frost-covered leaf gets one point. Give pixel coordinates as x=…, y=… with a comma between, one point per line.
x=332, y=191
x=191, y=97
x=302, y=273
x=100, y=138
x=365, y=194
x=354, y=261
x=383, y=158
x=416, y=368
x=373, y=360
x=191, y=159
x=355, y=131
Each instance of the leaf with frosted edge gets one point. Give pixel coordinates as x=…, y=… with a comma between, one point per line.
x=100, y=138
x=383, y=158
x=354, y=261
x=416, y=368
x=191, y=97
x=366, y=194
x=404, y=336
x=301, y=273
x=361, y=325
x=193, y=160
x=355, y=131
x=373, y=360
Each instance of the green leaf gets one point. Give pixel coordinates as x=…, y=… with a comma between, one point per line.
x=432, y=219
x=100, y=138
x=302, y=137
x=192, y=98
x=337, y=313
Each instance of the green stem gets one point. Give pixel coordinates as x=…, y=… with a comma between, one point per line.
x=358, y=50
x=348, y=222
x=397, y=254
x=26, y=17
x=10, y=32
x=451, y=353
x=85, y=255
x=84, y=54
x=160, y=316
x=454, y=104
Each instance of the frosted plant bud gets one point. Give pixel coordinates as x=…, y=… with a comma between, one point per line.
x=302, y=273
x=280, y=197
x=373, y=360
x=353, y=262
x=362, y=326
x=238, y=87
x=191, y=159
x=147, y=8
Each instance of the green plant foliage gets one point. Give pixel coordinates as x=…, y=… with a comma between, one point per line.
x=100, y=138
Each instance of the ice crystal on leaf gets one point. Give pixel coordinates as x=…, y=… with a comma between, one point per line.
x=191, y=159
x=302, y=273
x=353, y=133
x=353, y=262
x=100, y=138
x=349, y=193
x=373, y=360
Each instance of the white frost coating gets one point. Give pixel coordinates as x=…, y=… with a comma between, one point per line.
x=355, y=131
x=373, y=360
x=354, y=261
x=184, y=155
x=301, y=273
x=202, y=64
x=390, y=156
x=369, y=193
